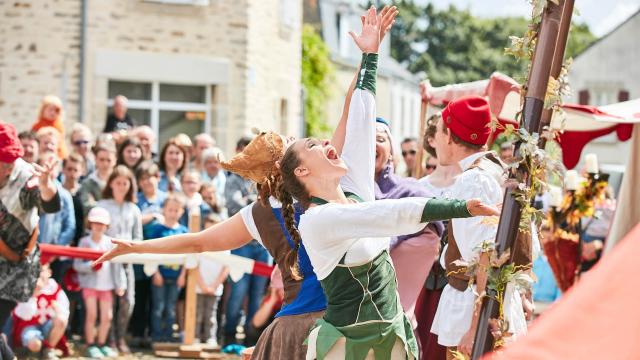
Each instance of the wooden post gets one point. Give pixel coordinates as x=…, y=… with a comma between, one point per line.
x=189, y=349
x=190, y=300
x=558, y=56
x=532, y=111
x=419, y=168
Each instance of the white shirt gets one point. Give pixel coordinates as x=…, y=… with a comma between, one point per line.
x=440, y=192
x=475, y=184
x=455, y=309
x=28, y=309
x=104, y=278
x=362, y=230
x=210, y=270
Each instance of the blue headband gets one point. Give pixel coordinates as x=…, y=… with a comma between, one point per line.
x=383, y=121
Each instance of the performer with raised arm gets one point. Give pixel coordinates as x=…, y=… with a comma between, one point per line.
x=24, y=190
x=346, y=233
x=264, y=221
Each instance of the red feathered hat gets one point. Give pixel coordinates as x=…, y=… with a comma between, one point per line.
x=469, y=118
x=10, y=146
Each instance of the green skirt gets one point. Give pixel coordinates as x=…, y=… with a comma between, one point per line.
x=364, y=309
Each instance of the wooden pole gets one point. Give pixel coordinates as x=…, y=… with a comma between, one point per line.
x=190, y=300
x=419, y=168
x=558, y=56
x=532, y=111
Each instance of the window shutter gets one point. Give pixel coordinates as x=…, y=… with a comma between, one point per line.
x=623, y=95
x=583, y=97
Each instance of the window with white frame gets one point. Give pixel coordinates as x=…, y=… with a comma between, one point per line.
x=169, y=109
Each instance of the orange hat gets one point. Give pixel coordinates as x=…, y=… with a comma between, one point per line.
x=257, y=162
x=469, y=118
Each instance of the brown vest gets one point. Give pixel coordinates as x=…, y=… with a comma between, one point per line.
x=520, y=253
x=274, y=240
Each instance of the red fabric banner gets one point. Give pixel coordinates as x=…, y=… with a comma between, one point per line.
x=49, y=251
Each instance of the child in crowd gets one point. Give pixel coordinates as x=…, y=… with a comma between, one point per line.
x=210, y=279
x=150, y=200
x=164, y=289
x=150, y=197
x=98, y=284
x=92, y=186
x=119, y=199
x=191, y=183
x=72, y=170
x=40, y=322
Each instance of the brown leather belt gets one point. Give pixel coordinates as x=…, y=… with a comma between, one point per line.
x=460, y=283
x=7, y=253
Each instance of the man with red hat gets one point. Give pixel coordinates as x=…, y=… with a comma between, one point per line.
x=24, y=189
x=461, y=135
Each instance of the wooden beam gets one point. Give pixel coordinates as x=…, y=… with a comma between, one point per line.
x=532, y=111
x=191, y=296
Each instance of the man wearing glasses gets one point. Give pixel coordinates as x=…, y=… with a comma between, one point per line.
x=409, y=148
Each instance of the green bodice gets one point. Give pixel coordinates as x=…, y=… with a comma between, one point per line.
x=363, y=307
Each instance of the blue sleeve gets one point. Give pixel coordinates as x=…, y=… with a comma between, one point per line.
x=68, y=230
x=154, y=230
x=184, y=219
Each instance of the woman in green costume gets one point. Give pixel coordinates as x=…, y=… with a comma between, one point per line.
x=346, y=233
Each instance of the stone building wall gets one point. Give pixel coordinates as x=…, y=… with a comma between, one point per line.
x=237, y=47
x=39, y=55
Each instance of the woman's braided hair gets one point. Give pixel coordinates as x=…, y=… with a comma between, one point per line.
x=289, y=188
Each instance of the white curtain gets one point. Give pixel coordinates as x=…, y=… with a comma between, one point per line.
x=628, y=202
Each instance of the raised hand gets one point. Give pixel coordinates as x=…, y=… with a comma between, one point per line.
x=387, y=18
x=44, y=172
x=121, y=247
x=477, y=208
x=368, y=41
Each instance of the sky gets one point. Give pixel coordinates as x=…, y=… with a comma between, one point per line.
x=602, y=16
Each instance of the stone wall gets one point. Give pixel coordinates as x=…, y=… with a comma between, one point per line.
x=274, y=71
x=40, y=54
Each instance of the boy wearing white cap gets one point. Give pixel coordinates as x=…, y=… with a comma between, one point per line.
x=98, y=284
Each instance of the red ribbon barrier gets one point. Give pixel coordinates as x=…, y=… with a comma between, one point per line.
x=48, y=251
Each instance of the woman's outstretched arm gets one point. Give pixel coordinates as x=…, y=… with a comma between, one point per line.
x=389, y=217
x=229, y=234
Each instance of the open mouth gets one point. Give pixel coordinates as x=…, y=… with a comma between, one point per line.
x=332, y=154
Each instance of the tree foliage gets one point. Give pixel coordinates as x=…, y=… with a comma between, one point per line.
x=317, y=72
x=451, y=45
